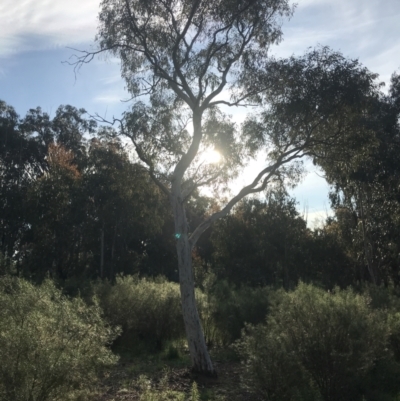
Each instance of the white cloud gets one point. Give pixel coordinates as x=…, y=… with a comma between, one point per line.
x=112, y=79
x=57, y=23
x=107, y=99
x=308, y=3
x=368, y=30
x=359, y=28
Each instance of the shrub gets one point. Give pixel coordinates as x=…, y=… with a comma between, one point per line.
x=149, y=311
x=148, y=392
x=383, y=383
x=51, y=347
x=383, y=298
x=270, y=369
x=7, y=266
x=226, y=309
x=333, y=339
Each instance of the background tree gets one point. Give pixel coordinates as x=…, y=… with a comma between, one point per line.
x=55, y=213
x=22, y=160
x=96, y=221
x=260, y=243
x=125, y=210
x=267, y=242
x=72, y=207
x=365, y=191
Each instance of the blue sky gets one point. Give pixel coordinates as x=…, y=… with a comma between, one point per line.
x=35, y=36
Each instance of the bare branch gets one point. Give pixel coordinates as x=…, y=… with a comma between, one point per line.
x=177, y=66
x=223, y=82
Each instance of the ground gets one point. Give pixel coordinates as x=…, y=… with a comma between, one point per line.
x=167, y=376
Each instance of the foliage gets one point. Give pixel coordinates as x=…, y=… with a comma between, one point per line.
x=54, y=211
x=271, y=370
x=383, y=383
x=21, y=160
x=51, y=347
x=73, y=207
x=96, y=221
x=6, y=265
x=325, y=260
x=315, y=340
x=365, y=191
x=266, y=242
x=183, y=55
x=261, y=242
x=387, y=301
x=149, y=311
x=225, y=309
x=125, y=210
x=28, y=150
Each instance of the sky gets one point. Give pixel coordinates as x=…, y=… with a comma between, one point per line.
x=36, y=38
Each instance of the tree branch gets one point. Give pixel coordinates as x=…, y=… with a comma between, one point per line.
x=139, y=152
x=265, y=175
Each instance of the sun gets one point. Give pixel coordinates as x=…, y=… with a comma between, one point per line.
x=212, y=156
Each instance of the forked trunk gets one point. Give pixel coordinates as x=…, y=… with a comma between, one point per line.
x=200, y=357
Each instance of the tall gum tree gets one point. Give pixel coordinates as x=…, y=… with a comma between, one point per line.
x=188, y=58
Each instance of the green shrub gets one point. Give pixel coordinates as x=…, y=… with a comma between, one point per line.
x=51, y=347
x=383, y=383
x=149, y=311
x=7, y=266
x=331, y=339
x=226, y=309
x=270, y=369
x=163, y=392
x=383, y=298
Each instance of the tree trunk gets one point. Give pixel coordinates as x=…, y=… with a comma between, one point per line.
x=367, y=244
x=102, y=253
x=286, y=282
x=200, y=357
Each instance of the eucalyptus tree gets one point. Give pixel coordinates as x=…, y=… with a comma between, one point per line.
x=365, y=193
x=191, y=60
x=262, y=242
x=125, y=209
x=54, y=205
x=22, y=160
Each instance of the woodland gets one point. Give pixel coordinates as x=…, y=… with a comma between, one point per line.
x=130, y=269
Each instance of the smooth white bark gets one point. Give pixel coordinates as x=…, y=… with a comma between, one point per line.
x=201, y=360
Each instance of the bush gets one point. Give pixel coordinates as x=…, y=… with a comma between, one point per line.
x=384, y=383
x=163, y=392
x=313, y=339
x=149, y=311
x=270, y=369
x=226, y=309
x=51, y=347
x=7, y=266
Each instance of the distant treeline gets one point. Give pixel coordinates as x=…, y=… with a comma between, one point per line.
x=77, y=205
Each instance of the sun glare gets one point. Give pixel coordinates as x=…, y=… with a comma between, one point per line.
x=212, y=157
